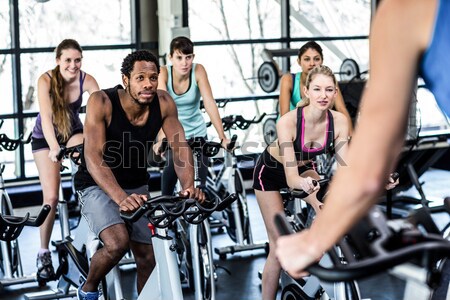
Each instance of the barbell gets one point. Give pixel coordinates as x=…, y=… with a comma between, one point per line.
x=269, y=78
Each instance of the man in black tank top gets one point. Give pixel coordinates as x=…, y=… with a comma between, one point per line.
x=120, y=127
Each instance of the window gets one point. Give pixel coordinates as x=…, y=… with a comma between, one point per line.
x=99, y=22
x=231, y=36
x=234, y=20
x=104, y=30
x=5, y=24
x=7, y=102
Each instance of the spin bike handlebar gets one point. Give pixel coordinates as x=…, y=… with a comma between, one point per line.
x=232, y=143
x=27, y=220
x=73, y=153
x=11, y=226
x=390, y=248
x=233, y=121
x=297, y=193
x=171, y=207
x=208, y=148
x=9, y=144
x=202, y=211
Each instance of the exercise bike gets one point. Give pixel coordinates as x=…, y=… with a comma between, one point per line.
x=227, y=181
x=300, y=216
x=10, y=259
x=74, y=249
x=162, y=212
x=194, y=238
x=10, y=228
x=412, y=249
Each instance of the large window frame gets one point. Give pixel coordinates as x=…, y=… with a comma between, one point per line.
x=15, y=51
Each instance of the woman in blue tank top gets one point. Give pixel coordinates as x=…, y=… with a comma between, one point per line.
x=310, y=55
x=407, y=39
x=60, y=95
x=187, y=82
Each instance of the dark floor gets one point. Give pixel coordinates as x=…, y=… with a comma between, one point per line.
x=238, y=274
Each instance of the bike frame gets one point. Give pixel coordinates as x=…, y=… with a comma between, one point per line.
x=230, y=176
x=10, y=277
x=164, y=282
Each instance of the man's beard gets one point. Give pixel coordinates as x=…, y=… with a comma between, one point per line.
x=135, y=100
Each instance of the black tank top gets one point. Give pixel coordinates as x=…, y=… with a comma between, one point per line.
x=127, y=146
x=327, y=146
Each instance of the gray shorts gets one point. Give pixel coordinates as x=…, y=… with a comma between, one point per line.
x=101, y=212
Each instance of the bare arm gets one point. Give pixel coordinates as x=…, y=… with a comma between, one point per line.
x=98, y=115
x=162, y=78
x=90, y=84
x=379, y=134
x=339, y=105
x=209, y=102
x=286, y=135
x=341, y=138
x=46, y=112
x=285, y=93
x=162, y=85
x=182, y=154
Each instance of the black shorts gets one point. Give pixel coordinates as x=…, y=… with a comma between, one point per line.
x=268, y=174
x=41, y=144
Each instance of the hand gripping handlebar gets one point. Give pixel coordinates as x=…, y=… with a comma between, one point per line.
x=388, y=249
x=163, y=210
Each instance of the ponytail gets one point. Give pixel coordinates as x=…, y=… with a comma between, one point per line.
x=60, y=107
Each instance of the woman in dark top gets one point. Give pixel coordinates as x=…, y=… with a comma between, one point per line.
x=60, y=95
x=303, y=133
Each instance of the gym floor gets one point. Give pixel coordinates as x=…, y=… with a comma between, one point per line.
x=238, y=273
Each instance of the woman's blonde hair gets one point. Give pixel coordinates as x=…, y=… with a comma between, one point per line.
x=60, y=107
x=324, y=70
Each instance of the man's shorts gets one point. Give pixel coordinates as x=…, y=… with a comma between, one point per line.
x=102, y=212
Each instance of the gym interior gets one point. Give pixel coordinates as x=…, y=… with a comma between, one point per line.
x=245, y=46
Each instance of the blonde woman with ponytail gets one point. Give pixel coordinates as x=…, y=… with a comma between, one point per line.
x=310, y=129
x=60, y=96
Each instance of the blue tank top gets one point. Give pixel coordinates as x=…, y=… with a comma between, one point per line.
x=307, y=153
x=435, y=63
x=296, y=96
x=74, y=108
x=188, y=105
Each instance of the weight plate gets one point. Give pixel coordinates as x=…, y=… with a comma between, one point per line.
x=268, y=77
x=349, y=70
x=270, y=131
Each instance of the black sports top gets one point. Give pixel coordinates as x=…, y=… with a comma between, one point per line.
x=307, y=153
x=127, y=146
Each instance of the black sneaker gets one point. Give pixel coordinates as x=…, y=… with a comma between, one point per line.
x=45, y=266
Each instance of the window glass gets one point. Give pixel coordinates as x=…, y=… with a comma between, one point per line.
x=7, y=87
x=235, y=75
x=232, y=69
x=104, y=65
x=429, y=118
x=330, y=18
x=30, y=166
x=335, y=52
x=32, y=66
x=46, y=24
x=5, y=25
x=234, y=20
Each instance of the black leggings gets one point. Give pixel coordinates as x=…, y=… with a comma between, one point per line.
x=169, y=177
